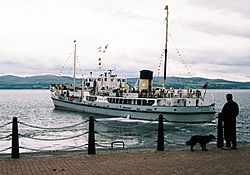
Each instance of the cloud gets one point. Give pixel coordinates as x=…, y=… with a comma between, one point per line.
x=226, y=6
x=224, y=17
x=223, y=28
x=37, y=37
x=225, y=57
x=223, y=72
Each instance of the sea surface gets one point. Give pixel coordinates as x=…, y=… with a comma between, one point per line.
x=43, y=128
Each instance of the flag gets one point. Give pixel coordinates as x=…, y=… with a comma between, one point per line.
x=99, y=49
x=205, y=85
x=105, y=48
x=100, y=63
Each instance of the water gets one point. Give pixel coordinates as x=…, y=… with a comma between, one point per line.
x=35, y=107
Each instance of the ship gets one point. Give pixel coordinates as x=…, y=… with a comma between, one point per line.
x=110, y=95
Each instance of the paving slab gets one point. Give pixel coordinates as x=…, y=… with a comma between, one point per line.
x=136, y=162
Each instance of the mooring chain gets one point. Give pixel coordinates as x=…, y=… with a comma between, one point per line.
x=5, y=137
x=64, y=149
x=33, y=149
x=5, y=149
x=62, y=130
x=58, y=139
x=6, y=124
x=56, y=128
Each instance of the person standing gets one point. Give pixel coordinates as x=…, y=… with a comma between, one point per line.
x=229, y=113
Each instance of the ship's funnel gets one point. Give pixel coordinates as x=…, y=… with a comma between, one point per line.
x=145, y=83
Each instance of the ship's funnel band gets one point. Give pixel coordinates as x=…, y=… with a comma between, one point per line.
x=146, y=74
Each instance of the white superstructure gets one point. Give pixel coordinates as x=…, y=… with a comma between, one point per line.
x=110, y=95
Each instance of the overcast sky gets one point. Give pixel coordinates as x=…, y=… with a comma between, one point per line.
x=212, y=37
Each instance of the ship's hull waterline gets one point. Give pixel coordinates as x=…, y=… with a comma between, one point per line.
x=191, y=114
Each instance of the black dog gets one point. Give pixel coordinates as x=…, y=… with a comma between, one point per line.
x=202, y=140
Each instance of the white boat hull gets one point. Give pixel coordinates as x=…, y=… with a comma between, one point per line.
x=191, y=114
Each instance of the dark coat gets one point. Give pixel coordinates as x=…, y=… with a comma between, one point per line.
x=229, y=113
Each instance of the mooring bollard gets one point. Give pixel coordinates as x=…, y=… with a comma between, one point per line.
x=160, y=141
x=220, y=143
x=15, y=142
x=91, y=139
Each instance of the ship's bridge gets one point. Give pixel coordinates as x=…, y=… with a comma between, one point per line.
x=105, y=83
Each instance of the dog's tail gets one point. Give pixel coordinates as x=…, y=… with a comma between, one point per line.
x=188, y=142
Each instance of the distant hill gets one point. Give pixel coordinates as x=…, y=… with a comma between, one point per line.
x=33, y=82
x=197, y=83
x=44, y=82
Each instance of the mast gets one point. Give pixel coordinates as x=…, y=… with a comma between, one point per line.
x=166, y=50
x=74, y=76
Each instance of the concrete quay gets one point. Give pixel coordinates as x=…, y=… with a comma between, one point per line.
x=135, y=162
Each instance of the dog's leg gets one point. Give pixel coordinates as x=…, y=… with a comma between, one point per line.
x=192, y=148
x=202, y=146
x=205, y=149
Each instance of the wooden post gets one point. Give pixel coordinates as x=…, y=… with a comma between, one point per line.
x=15, y=142
x=91, y=139
x=220, y=143
x=160, y=141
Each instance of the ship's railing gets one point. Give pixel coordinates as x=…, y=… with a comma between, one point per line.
x=101, y=134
